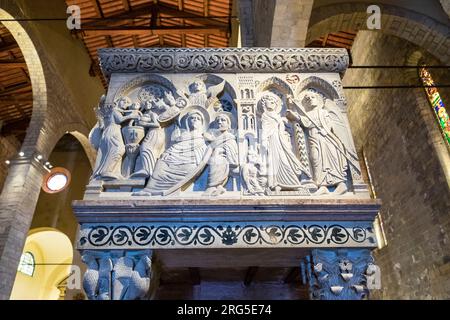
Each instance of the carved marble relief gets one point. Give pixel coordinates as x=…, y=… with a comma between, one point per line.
x=225, y=134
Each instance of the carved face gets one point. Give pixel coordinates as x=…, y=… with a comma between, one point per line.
x=123, y=103
x=313, y=99
x=223, y=122
x=270, y=103
x=197, y=86
x=195, y=121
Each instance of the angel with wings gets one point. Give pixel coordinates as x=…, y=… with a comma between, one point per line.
x=330, y=145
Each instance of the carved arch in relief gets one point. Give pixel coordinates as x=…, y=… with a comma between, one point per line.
x=326, y=88
x=140, y=81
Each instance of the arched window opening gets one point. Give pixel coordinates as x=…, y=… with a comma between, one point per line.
x=436, y=102
x=26, y=264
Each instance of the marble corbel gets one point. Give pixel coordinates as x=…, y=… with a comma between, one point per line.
x=341, y=274
x=117, y=274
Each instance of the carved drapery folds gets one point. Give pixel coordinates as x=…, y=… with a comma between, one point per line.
x=256, y=127
x=341, y=274
x=117, y=274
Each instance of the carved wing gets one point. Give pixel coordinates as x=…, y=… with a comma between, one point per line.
x=339, y=126
x=214, y=91
x=95, y=136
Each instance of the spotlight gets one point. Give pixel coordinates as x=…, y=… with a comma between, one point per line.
x=7, y=162
x=47, y=164
x=21, y=153
x=39, y=157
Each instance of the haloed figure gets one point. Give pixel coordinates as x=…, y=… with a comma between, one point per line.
x=283, y=167
x=224, y=156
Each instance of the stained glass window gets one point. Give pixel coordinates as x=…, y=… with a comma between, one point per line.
x=436, y=102
x=26, y=264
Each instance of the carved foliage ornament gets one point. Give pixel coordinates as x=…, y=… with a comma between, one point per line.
x=223, y=60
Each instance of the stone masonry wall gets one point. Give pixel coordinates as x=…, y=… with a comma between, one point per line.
x=392, y=125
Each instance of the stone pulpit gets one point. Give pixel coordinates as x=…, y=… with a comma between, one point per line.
x=204, y=151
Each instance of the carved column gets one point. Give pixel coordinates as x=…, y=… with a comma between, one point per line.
x=343, y=274
x=117, y=274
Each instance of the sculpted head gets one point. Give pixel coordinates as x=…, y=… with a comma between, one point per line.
x=194, y=120
x=223, y=122
x=123, y=103
x=313, y=99
x=270, y=102
x=197, y=86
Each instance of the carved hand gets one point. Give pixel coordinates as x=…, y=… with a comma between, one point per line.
x=292, y=115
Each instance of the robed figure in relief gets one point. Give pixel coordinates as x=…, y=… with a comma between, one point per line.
x=283, y=167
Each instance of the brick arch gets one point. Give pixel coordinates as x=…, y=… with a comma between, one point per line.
x=80, y=132
x=414, y=27
x=37, y=78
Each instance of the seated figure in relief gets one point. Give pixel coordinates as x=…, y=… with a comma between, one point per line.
x=224, y=156
x=184, y=159
x=281, y=165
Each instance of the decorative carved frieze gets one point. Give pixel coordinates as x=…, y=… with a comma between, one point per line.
x=225, y=235
x=223, y=60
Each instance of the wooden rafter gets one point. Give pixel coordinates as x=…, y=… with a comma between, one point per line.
x=126, y=5
x=147, y=10
x=97, y=8
x=11, y=64
x=162, y=30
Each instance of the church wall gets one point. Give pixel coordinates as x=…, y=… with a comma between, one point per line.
x=390, y=125
x=63, y=97
x=9, y=147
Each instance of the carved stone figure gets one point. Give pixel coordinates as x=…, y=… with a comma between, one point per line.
x=283, y=167
x=110, y=145
x=97, y=279
x=328, y=142
x=200, y=95
x=132, y=135
x=151, y=146
x=184, y=159
x=224, y=156
x=117, y=275
x=250, y=173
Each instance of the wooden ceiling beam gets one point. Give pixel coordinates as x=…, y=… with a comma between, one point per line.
x=126, y=5
x=24, y=97
x=12, y=64
x=18, y=88
x=130, y=31
x=147, y=10
x=16, y=126
x=97, y=8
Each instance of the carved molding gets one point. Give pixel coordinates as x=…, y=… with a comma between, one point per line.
x=223, y=60
x=225, y=235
